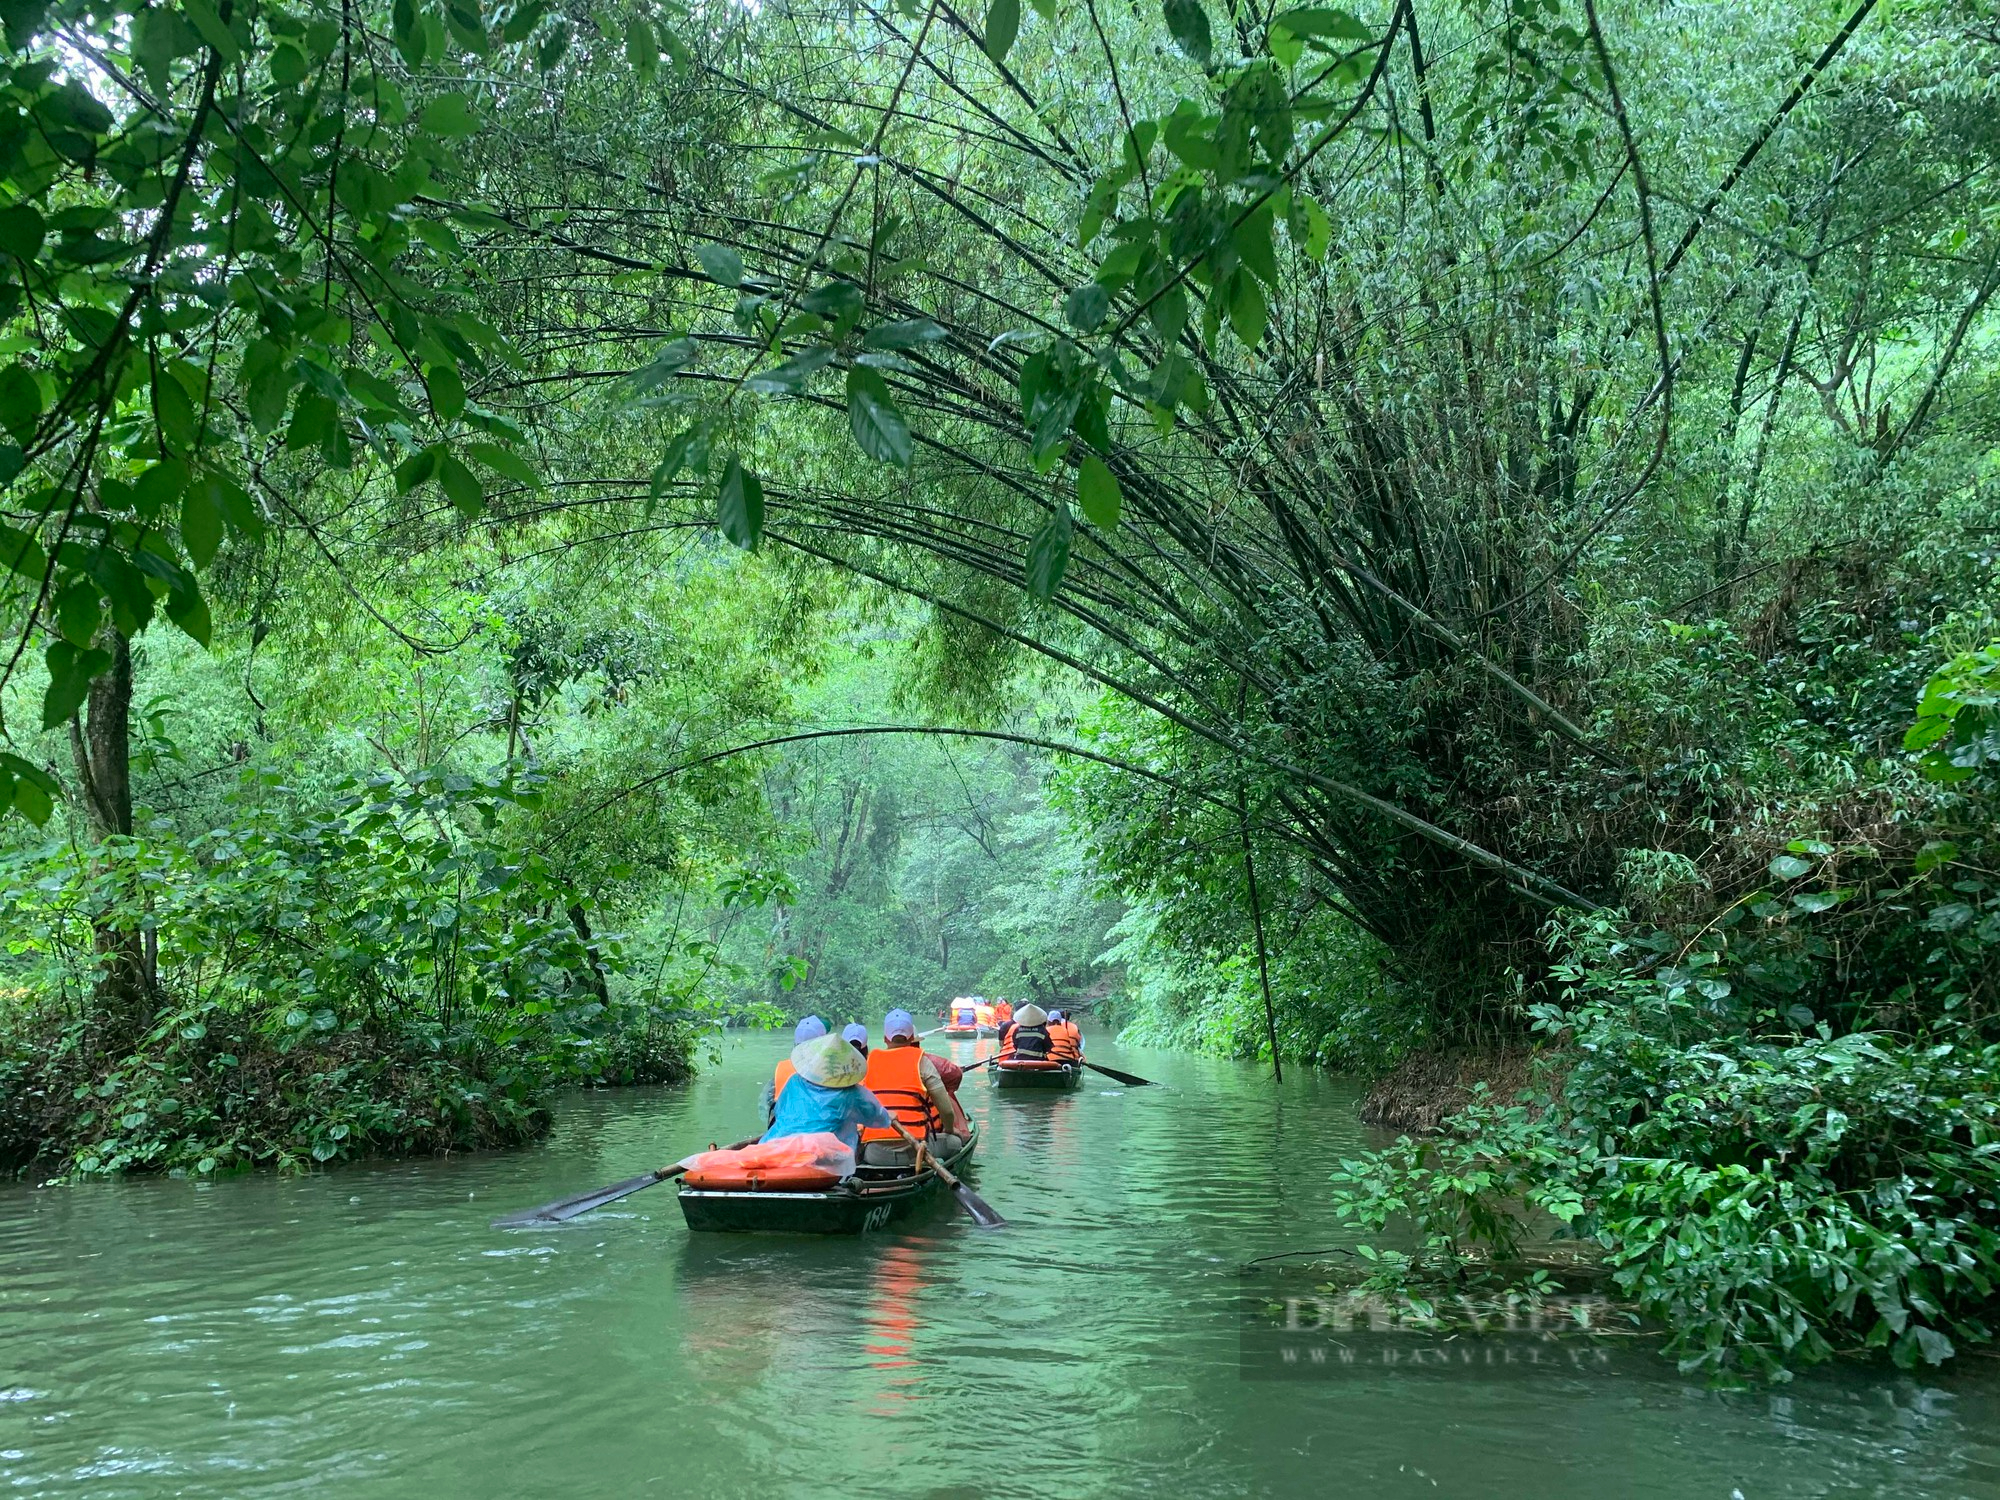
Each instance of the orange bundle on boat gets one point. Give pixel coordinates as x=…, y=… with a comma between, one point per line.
x=1029, y=1064
x=793, y=1163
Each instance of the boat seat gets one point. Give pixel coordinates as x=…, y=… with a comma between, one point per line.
x=899, y=1154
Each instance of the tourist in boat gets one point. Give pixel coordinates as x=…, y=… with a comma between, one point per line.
x=1003, y=1012
x=906, y=1080
x=952, y=1074
x=856, y=1036
x=1027, y=1035
x=805, y=1031
x=1065, y=1038
x=825, y=1095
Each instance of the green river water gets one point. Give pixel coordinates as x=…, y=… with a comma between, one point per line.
x=364, y=1333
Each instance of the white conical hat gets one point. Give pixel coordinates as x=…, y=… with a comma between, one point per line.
x=1031, y=1015
x=829, y=1062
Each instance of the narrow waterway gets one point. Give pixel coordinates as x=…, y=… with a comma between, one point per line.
x=364, y=1333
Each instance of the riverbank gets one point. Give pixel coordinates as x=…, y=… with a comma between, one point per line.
x=217, y=1090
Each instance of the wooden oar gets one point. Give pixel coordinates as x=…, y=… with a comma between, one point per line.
x=983, y=1213
x=1130, y=1080
x=565, y=1209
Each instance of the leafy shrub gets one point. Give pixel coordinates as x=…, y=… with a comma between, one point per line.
x=377, y=980
x=1771, y=1202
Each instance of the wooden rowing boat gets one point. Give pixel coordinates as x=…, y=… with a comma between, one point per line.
x=867, y=1200
x=962, y=1033
x=1032, y=1073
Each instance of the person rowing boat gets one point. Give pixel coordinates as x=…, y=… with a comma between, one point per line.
x=1027, y=1035
x=906, y=1079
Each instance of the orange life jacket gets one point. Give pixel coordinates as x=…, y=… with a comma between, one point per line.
x=1065, y=1041
x=895, y=1077
x=779, y=1079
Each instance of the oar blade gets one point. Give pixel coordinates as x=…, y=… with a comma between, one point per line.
x=983, y=1213
x=564, y=1209
x=1130, y=1080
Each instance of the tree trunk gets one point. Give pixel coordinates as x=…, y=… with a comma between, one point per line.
x=101, y=745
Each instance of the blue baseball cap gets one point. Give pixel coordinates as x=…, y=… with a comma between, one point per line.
x=898, y=1023
x=807, y=1029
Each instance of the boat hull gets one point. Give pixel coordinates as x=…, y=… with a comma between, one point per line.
x=1052, y=1079
x=855, y=1207
x=962, y=1033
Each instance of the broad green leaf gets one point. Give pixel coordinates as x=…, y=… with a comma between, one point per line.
x=551, y=51
x=1048, y=555
x=201, y=523
x=521, y=24
x=70, y=670
x=21, y=553
x=21, y=231
x=175, y=410
x=1319, y=21
x=125, y=588
x=1248, y=311
x=210, y=24
x=20, y=402
x=504, y=461
x=156, y=491
x=237, y=508
x=836, y=299
x=878, y=426
x=689, y=450
x=1310, y=227
x=187, y=609
x=461, y=486
x=1003, y=24
x=288, y=66
x=1187, y=22
x=675, y=355
x=449, y=116
x=35, y=790
x=415, y=469
x=910, y=333
x=1086, y=307
x=267, y=383
x=1790, y=867
x=1098, y=494
x=1255, y=245
x=79, y=611
x=408, y=30
x=447, y=390
x=642, y=49
x=185, y=606
x=789, y=378
x=722, y=263
x=740, y=506
x=314, y=420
